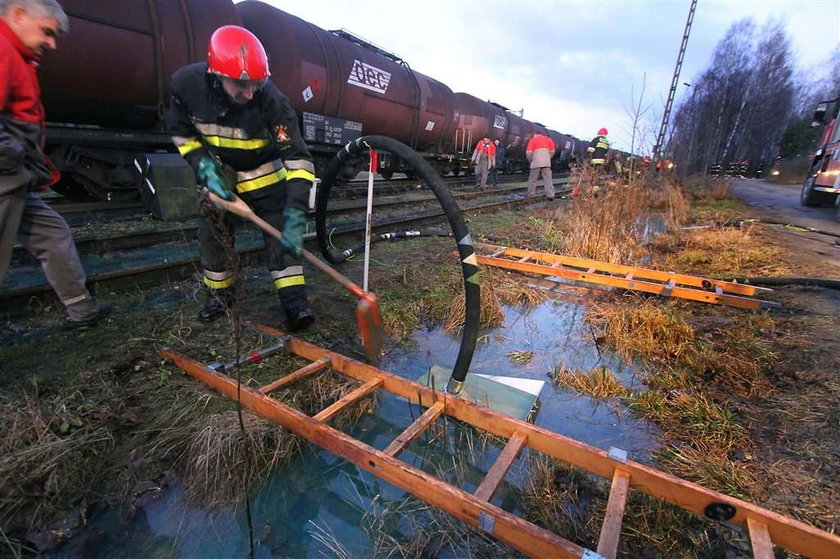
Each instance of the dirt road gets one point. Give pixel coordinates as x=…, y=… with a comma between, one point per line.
x=780, y=202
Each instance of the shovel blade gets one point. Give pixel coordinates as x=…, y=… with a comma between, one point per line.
x=370, y=326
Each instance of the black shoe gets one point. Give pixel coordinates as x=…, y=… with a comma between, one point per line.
x=216, y=306
x=104, y=310
x=299, y=319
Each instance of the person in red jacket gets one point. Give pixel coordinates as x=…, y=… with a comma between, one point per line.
x=484, y=159
x=539, y=152
x=28, y=29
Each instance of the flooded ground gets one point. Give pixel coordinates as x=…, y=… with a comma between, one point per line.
x=321, y=506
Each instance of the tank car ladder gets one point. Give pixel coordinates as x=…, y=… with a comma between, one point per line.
x=645, y=280
x=765, y=528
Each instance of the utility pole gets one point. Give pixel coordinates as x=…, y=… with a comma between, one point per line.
x=660, y=138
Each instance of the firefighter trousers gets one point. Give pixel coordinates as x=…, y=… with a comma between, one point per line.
x=216, y=240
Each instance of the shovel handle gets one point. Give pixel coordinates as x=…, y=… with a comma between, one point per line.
x=240, y=208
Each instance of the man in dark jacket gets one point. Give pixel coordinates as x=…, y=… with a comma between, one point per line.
x=29, y=28
x=500, y=160
x=240, y=134
x=598, y=148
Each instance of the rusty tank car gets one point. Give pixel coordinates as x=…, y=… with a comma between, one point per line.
x=106, y=91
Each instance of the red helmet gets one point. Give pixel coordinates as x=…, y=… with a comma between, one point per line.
x=235, y=52
x=602, y=132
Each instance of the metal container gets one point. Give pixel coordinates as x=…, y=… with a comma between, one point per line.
x=113, y=68
x=477, y=119
x=519, y=132
x=325, y=73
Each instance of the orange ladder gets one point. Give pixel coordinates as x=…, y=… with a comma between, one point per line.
x=765, y=528
x=666, y=284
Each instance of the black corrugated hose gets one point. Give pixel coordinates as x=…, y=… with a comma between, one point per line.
x=466, y=250
x=806, y=282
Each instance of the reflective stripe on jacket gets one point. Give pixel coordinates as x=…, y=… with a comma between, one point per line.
x=259, y=140
x=598, y=148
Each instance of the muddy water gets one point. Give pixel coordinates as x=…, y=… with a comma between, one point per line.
x=317, y=506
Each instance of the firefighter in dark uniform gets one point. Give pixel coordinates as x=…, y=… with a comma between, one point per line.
x=240, y=134
x=598, y=148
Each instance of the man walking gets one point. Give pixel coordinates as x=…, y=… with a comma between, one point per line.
x=539, y=152
x=240, y=134
x=484, y=159
x=28, y=29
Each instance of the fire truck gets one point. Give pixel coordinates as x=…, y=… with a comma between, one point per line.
x=822, y=185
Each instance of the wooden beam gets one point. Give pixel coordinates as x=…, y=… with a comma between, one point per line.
x=611, y=528
x=520, y=534
x=295, y=376
x=500, y=467
x=327, y=413
x=785, y=532
x=762, y=546
x=420, y=424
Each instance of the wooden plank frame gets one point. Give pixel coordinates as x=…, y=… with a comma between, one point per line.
x=602, y=274
x=629, y=272
x=611, y=528
x=790, y=534
x=420, y=424
x=500, y=467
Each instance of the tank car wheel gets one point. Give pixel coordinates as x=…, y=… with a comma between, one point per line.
x=456, y=171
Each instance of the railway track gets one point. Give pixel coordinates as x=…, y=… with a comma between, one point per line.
x=134, y=259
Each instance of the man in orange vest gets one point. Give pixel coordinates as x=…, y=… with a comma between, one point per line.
x=539, y=152
x=484, y=159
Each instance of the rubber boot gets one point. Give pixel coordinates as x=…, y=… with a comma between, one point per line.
x=218, y=302
x=299, y=318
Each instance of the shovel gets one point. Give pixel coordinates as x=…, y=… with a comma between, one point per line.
x=367, y=311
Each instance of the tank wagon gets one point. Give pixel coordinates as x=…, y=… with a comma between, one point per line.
x=106, y=91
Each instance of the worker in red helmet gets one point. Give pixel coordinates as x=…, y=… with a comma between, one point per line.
x=598, y=148
x=241, y=135
x=28, y=29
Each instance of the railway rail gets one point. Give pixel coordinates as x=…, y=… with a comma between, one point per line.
x=144, y=258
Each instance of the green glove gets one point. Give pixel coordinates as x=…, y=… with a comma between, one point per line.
x=294, y=224
x=208, y=174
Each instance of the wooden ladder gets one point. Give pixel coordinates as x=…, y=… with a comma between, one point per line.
x=666, y=284
x=765, y=528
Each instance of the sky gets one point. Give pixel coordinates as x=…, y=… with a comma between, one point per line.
x=574, y=66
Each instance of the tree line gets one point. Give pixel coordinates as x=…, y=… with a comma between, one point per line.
x=751, y=104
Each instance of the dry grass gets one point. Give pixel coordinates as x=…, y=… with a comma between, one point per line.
x=610, y=221
x=691, y=417
x=219, y=452
x=598, y=383
x=720, y=253
x=710, y=467
x=498, y=288
x=41, y=465
x=732, y=354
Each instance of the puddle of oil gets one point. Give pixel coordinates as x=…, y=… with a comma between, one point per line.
x=319, y=504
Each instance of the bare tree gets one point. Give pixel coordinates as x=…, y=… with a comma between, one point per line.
x=635, y=112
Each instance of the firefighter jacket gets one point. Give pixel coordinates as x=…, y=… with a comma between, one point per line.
x=539, y=151
x=23, y=164
x=598, y=150
x=484, y=153
x=260, y=140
